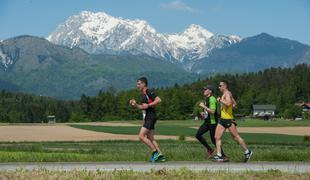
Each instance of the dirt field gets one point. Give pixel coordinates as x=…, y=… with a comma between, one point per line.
x=298, y=131
x=65, y=124
x=107, y=124
x=60, y=133
x=63, y=132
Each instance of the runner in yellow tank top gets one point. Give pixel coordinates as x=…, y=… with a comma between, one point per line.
x=227, y=122
x=226, y=111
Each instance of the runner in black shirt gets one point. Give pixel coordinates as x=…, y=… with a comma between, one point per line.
x=148, y=102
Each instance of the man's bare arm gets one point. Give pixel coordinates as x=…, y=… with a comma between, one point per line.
x=144, y=106
x=227, y=99
x=234, y=102
x=156, y=101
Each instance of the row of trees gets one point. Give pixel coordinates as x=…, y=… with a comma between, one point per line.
x=23, y=108
x=281, y=87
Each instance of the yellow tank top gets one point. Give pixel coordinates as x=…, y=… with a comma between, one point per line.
x=226, y=111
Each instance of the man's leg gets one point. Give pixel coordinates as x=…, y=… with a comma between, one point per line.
x=199, y=135
x=157, y=155
x=150, y=136
x=143, y=137
x=235, y=135
x=218, y=135
x=212, y=135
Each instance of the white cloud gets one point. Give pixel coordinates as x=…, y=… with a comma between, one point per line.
x=177, y=5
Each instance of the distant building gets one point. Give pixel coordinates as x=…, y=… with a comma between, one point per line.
x=51, y=119
x=264, y=110
x=305, y=106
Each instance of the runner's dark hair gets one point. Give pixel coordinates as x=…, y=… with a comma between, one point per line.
x=143, y=79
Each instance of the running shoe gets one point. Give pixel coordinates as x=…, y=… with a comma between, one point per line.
x=248, y=156
x=218, y=158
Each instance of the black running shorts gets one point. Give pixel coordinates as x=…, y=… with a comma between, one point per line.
x=226, y=123
x=150, y=121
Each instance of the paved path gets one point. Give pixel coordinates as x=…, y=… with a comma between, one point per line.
x=144, y=166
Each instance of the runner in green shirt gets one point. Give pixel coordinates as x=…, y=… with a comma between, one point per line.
x=210, y=120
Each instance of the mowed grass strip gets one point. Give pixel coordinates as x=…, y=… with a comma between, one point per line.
x=244, y=122
x=160, y=129
x=137, y=151
x=182, y=173
x=190, y=132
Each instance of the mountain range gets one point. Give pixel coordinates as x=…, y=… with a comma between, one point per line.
x=93, y=52
x=35, y=65
x=101, y=33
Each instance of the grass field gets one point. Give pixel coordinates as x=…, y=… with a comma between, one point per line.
x=241, y=122
x=159, y=174
x=188, y=131
x=136, y=151
x=266, y=147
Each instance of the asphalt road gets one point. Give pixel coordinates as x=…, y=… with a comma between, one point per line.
x=144, y=166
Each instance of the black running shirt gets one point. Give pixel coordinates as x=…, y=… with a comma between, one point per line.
x=148, y=98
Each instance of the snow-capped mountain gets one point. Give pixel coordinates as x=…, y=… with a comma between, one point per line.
x=102, y=33
x=5, y=60
x=196, y=42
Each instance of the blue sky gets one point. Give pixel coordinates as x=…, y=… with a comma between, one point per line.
x=283, y=18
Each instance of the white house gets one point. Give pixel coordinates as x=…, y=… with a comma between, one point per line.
x=264, y=110
x=51, y=119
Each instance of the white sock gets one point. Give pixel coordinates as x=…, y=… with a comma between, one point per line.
x=219, y=154
x=246, y=151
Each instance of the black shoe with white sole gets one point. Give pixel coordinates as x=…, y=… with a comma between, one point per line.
x=248, y=156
